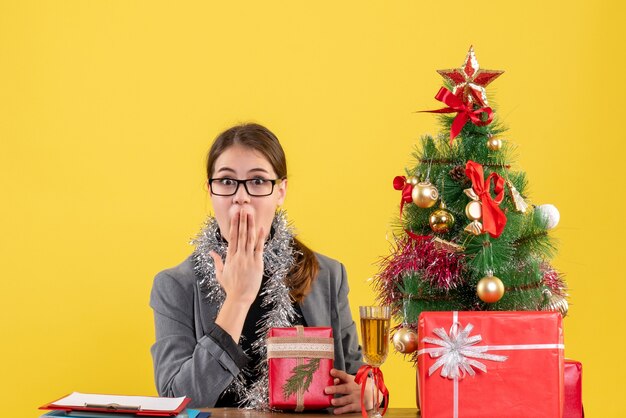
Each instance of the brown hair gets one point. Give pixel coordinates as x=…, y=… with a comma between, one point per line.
x=262, y=140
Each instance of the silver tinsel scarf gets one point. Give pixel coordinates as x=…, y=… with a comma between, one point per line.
x=278, y=259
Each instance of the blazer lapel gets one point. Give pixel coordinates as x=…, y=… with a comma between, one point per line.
x=316, y=305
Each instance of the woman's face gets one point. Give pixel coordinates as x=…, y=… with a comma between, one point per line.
x=240, y=163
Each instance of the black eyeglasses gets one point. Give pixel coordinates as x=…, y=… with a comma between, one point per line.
x=257, y=187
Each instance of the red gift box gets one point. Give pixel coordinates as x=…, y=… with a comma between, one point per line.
x=490, y=364
x=300, y=360
x=573, y=407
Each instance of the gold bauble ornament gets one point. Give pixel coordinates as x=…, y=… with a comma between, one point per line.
x=412, y=180
x=441, y=220
x=405, y=340
x=555, y=303
x=424, y=194
x=490, y=289
x=494, y=143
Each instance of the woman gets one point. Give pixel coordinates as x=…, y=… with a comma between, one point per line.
x=247, y=274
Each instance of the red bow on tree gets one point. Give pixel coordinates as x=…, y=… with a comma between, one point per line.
x=493, y=218
x=361, y=379
x=465, y=112
x=399, y=183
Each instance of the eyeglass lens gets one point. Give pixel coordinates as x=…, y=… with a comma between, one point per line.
x=254, y=187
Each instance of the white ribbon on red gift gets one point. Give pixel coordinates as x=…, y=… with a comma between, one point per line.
x=455, y=357
x=457, y=352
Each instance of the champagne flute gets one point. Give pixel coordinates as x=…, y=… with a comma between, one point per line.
x=375, y=335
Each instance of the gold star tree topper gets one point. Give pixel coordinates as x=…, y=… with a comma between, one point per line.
x=470, y=81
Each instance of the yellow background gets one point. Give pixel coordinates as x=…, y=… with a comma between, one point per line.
x=108, y=107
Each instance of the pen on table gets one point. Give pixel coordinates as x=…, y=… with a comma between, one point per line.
x=113, y=406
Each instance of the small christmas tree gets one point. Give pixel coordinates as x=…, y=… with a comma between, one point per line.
x=468, y=238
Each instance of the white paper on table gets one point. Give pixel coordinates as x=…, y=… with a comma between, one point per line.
x=143, y=402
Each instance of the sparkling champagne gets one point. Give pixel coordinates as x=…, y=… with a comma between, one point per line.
x=375, y=333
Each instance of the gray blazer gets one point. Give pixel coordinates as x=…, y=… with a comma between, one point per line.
x=194, y=357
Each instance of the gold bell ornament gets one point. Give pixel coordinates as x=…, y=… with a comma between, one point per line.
x=518, y=201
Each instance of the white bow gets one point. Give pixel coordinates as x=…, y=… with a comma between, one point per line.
x=457, y=352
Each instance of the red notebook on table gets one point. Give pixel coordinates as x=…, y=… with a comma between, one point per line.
x=139, y=405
